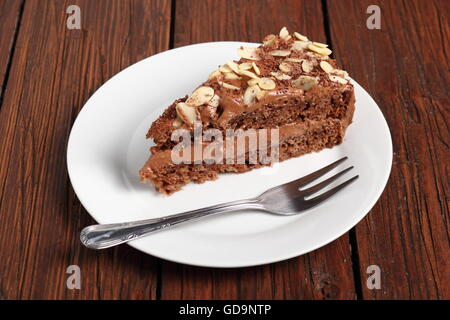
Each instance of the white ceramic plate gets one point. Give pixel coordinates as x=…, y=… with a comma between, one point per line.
x=107, y=147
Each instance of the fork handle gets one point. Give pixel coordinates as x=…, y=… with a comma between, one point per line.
x=101, y=236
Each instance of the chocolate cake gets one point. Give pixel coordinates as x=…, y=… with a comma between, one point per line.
x=288, y=84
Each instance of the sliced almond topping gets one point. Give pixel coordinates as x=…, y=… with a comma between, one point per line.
x=250, y=95
x=320, y=45
x=214, y=102
x=252, y=82
x=177, y=122
x=225, y=69
x=284, y=33
x=245, y=66
x=281, y=76
x=266, y=83
x=260, y=94
x=280, y=53
x=293, y=60
x=186, y=113
x=340, y=73
x=316, y=56
x=285, y=67
x=248, y=74
x=328, y=68
x=229, y=86
x=300, y=37
x=299, y=45
x=307, y=66
x=200, y=96
x=337, y=79
x=231, y=76
x=319, y=50
x=248, y=53
x=214, y=74
x=304, y=82
x=233, y=66
x=269, y=40
x=255, y=67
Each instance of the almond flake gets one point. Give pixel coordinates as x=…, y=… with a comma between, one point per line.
x=200, y=96
x=233, y=66
x=231, y=76
x=248, y=74
x=285, y=67
x=319, y=50
x=269, y=40
x=186, y=113
x=280, y=76
x=284, y=33
x=299, y=45
x=304, y=82
x=252, y=82
x=260, y=94
x=248, y=53
x=300, y=37
x=328, y=68
x=255, y=67
x=307, y=66
x=280, y=53
x=337, y=79
x=225, y=69
x=214, y=102
x=250, y=95
x=266, y=83
x=320, y=45
x=293, y=60
x=229, y=86
x=177, y=122
x=214, y=74
x=340, y=73
x=245, y=66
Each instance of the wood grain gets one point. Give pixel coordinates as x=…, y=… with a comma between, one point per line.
x=405, y=67
x=323, y=274
x=10, y=11
x=47, y=73
x=54, y=71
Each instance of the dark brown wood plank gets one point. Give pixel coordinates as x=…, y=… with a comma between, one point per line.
x=10, y=11
x=323, y=274
x=404, y=66
x=54, y=71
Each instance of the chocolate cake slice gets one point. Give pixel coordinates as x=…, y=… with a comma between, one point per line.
x=288, y=85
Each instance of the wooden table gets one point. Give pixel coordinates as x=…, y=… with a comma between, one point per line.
x=47, y=72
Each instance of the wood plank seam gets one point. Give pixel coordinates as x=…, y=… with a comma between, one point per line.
x=406, y=233
x=5, y=80
x=173, y=8
x=11, y=51
x=159, y=276
x=323, y=274
x=354, y=255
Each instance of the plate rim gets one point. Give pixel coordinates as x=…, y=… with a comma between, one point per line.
x=258, y=261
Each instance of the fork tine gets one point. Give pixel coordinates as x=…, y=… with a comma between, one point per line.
x=317, y=174
x=324, y=196
x=323, y=184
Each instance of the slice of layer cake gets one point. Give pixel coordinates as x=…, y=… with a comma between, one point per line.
x=288, y=84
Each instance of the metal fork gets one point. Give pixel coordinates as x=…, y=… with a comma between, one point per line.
x=286, y=199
